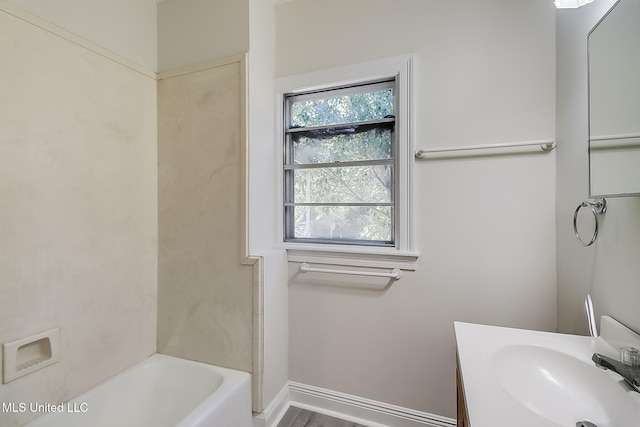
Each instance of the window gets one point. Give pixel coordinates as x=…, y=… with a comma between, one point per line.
x=339, y=165
x=347, y=165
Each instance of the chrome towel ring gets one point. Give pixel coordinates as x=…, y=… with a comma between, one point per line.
x=598, y=207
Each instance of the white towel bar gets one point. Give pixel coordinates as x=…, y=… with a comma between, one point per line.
x=467, y=150
x=395, y=274
x=603, y=142
x=617, y=136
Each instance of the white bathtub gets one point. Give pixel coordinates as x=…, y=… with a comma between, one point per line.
x=161, y=391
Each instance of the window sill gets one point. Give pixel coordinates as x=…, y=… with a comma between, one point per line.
x=370, y=257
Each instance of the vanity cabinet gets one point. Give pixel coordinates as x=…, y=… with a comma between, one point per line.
x=462, y=417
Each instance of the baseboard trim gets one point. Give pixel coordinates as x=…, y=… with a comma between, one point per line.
x=274, y=412
x=361, y=410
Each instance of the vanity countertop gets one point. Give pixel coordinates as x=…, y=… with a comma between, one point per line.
x=525, y=378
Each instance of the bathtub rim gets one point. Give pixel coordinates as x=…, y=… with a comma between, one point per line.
x=233, y=382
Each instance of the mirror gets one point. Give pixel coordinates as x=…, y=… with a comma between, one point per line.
x=614, y=102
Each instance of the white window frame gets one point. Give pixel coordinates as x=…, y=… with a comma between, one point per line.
x=404, y=254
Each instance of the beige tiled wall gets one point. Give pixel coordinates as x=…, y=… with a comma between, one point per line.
x=78, y=210
x=204, y=292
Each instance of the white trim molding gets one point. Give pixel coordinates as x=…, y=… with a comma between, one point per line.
x=403, y=261
x=346, y=407
x=404, y=255
x=273, y=413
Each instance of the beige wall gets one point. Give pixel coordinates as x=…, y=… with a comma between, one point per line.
x=158, y=35
x=126, y=27
x=205, y=294
x=78, y=229
x=210, y=288
x=195, y=31
x=188, y=34
x=484, y=73
x=609, y=269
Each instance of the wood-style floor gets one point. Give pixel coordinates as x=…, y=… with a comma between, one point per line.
x=296, y=417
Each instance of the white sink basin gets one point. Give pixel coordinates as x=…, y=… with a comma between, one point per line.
x=515, y=377
x=562, y=388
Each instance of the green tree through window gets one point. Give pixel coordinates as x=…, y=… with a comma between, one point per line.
x=340, y=165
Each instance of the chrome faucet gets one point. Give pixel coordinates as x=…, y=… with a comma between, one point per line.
x=630, y=374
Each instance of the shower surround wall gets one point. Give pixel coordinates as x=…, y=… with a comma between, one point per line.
x=205, y=286
x=78, y=208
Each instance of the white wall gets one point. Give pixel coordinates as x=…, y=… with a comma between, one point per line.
x=126, y=27
x=485, y=73
x=78, y=208
x=262, y=203
x=608, y=269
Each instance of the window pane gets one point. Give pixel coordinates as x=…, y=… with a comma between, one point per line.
x=372, y=144
x=340, y=160
x=344, y=223
x=350, y=184
x=355, y=107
